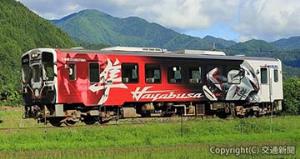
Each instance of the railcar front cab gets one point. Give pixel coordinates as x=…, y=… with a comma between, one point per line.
x=38, y=80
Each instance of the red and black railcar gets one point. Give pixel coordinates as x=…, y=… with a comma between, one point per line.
x=69, y=85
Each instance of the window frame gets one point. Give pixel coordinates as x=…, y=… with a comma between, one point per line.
x=48, y=62
x=130, y=63
x=26, y=71
x=189, y=71
x=74, y=71
x=160, y=70
x=275, y=78
x=181, y=74
x=266, y=81
x=98, y=77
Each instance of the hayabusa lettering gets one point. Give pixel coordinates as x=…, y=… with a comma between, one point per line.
x=145, y=93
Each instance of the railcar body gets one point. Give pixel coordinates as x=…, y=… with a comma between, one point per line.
x=69, y=85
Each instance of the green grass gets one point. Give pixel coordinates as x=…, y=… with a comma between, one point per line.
x=151, y=140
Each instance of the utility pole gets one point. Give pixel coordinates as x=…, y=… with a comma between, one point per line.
x=270, y=97
x=181, y=130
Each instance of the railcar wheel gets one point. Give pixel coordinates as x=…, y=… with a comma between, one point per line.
x=55, y=122
x=167, y=114
x=70, y=122
x=89, y=120
x=222, y=114
x=104, y=120
x=256, y=113
x=146, y=113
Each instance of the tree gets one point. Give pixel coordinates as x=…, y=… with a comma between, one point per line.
x=291, y=90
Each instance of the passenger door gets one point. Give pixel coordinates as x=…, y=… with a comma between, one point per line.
x=95, y=87
x=266, y=82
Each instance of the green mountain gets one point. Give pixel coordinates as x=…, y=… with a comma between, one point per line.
x=219, y=42
x=20, y=31
x=252, y=47
x=263, y=48
x=95, y=27
x=288, y=44
x=289, y=57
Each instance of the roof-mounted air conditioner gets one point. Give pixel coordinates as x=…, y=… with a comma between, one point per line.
x=134, y=49
x=201, y=52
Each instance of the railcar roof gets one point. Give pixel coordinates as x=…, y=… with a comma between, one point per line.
x=171, y=55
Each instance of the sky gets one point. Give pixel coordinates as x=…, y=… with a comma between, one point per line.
x=238, y=20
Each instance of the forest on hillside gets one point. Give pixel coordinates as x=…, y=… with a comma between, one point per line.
x=20, y=31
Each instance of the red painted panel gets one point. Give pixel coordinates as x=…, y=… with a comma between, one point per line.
x=110, y=90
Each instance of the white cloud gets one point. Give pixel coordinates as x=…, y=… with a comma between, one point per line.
x=263, y=19
x=269, y=19
x=181, y=14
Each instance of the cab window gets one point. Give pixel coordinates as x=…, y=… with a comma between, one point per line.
x=26, y=72
x=47, y=59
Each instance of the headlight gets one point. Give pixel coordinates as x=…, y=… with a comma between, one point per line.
x=35, y=55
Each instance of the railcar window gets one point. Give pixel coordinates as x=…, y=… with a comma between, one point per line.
x=152, y=73
x=94, y=72
x=26, y=73
x=195, y=75
x=275, y=75
x=47, y=59
x=264, y=75
x=49, y=69
x=129, y=73
x=175, y=74
x=36, y=73
x=72, y=71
